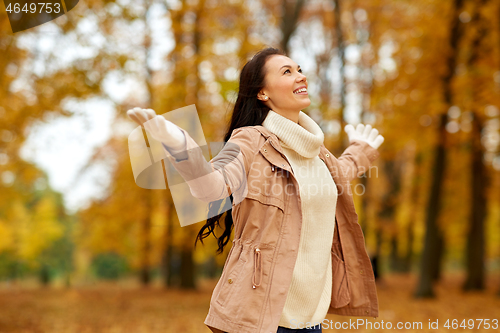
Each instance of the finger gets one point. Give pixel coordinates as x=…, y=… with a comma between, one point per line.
x=367, y=130
x=137, y=114
x=150, y=112
x=360, y=128
x=349, y=128
x=129, y=111
x=142, y=114
x=373, y=134
x=134, y=110
x=133, y=116
x=378, y=141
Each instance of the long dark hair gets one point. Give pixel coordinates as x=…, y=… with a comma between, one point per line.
x=248, y=111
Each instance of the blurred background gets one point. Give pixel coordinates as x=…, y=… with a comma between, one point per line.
x=84, y=249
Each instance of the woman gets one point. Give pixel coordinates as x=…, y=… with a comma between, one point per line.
x=298, y=252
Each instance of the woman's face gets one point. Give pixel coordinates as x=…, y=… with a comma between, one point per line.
x=283, y=81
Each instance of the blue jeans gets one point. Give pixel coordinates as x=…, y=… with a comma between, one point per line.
x=314, y=329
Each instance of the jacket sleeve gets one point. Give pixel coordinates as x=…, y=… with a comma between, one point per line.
x=357, y=159
x=225, y=174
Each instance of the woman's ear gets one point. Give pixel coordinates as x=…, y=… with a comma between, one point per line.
x=262, y=97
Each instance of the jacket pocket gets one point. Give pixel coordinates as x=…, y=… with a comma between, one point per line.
x=254, y=284
x=340, y=287
x=267, y=199
x=233, y=267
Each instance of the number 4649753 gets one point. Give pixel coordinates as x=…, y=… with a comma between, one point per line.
x=471, y=324
x=16, y=8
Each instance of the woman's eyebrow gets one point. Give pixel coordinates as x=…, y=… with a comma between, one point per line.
x=298, y=66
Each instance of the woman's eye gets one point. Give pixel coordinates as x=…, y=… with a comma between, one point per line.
x=300, y=70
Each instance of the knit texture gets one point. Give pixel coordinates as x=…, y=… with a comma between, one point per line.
x=309, y=296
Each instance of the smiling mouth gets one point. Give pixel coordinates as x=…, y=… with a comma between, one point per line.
x=301, y=91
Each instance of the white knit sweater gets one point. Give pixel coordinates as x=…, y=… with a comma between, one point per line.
x=308, y=298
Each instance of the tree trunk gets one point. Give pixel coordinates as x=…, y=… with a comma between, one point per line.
x=211, y=267
x=167, y=270
x=169, y=260
x=475, y=254
x=375, y=259
x=434, y=243
x=362, y=219
x=475, y=236
x=291, y=12
x=187, y=269
x=44, y=275
x=392, y=170
x=341, y=55
x=407, y=260
x=416, y=188
x=145, y=266
x=397, y=262
x=437, y=264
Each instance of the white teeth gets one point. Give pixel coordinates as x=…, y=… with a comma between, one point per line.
x=300, y=90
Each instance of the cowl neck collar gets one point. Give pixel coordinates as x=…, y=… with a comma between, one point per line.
x=305, y=138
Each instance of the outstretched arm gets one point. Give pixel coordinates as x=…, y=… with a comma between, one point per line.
x=224, y=174
x=208, y=181
x=359, y=156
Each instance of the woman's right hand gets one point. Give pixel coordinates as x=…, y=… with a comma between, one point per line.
x=161, y=129
x=364, y=133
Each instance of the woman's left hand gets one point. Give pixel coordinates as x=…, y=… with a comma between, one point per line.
x=161, y=129
x=364, y=133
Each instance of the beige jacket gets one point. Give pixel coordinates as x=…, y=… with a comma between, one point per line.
x=251, y=293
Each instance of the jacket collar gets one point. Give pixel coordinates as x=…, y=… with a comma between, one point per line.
x=273, y=138
x=269, y=136
x=272, y=141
